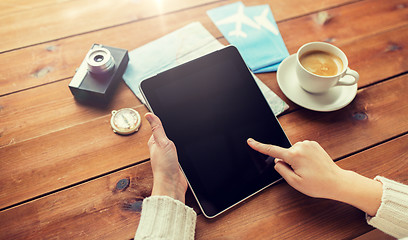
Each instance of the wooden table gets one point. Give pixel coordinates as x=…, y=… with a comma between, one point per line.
x=61, y=165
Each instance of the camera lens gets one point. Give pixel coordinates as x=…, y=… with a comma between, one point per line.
x=100, y=60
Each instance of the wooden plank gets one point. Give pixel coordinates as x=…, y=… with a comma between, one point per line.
x=345, y=24
x=59, y=59
x=11, y=111
x=85, y=148
x=52, y=21
x=68, y=156
x=56, y=102
x=51, y=108
x=375, y=235
x=90, y=149
x=376, y=114
x=374, y=58
x=281, y=212
x=44, y=23
x=13, y=6
x=96, y=210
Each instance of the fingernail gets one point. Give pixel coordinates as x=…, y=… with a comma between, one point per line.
x=250, y=140
x=148, y=117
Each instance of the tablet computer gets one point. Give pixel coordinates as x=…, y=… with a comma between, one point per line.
x=209, y=107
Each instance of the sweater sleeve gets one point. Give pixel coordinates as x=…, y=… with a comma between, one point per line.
x=163, y=217
x=392, y=215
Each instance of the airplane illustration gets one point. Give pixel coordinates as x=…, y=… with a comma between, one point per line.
x=264, y=22
x=240, y=18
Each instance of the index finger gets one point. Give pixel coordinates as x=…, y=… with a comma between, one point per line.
x=268, y=149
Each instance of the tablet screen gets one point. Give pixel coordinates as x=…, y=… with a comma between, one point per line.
x=209, y=108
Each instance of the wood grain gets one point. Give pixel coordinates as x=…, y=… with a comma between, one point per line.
x=380, y=49
x=38, y=165
x=53, y=21
x=51, y=108
x=375, y=115
x=375, y=235
x=61, y=165
x=11, y=6
x=58, y=59
x=375, y=58
x=95, y=209
x=345, y=24
x=281, y=212
x=56, y=102
x=60, y=159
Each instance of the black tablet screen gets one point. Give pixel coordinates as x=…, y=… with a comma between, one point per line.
x=209, y=108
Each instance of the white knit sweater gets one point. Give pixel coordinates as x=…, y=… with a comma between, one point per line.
x=392, y=216
x=165, y=218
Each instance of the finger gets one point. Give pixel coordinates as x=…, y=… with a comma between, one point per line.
x=268, y=149
x=158, y=132
x=287, y=173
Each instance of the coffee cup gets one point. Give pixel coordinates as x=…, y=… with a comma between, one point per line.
x=321, y=66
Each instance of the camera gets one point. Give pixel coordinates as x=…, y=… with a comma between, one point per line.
x=99, y=74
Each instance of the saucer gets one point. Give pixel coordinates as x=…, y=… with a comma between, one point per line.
x=336, y=98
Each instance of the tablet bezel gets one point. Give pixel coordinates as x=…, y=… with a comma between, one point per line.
x=230, y=51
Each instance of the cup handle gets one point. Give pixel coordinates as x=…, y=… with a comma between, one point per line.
x=349, y=82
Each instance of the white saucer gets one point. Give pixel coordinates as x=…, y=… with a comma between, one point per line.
x=336, y=98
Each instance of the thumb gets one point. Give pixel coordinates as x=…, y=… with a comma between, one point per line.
x=157, y=129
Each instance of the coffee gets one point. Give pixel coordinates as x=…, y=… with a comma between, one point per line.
x=321, y=66
x=321, y=63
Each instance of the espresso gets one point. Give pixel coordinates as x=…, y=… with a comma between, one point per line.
x=321, y=63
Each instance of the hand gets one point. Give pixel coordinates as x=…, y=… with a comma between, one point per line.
x=305, y=166
x=168, y=179
x=308, y=168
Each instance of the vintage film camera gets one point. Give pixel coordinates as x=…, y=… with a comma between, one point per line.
x=99, y=74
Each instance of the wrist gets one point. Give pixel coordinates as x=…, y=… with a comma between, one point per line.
x=359, y=191
x=340, y=183
x=163, y=188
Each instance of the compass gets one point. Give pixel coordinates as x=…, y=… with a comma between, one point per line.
x=125, y=121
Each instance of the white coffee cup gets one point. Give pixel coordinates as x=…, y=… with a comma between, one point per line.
x=314, y=83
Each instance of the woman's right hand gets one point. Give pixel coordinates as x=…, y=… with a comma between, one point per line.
x=308, y=168
x=305, y=166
